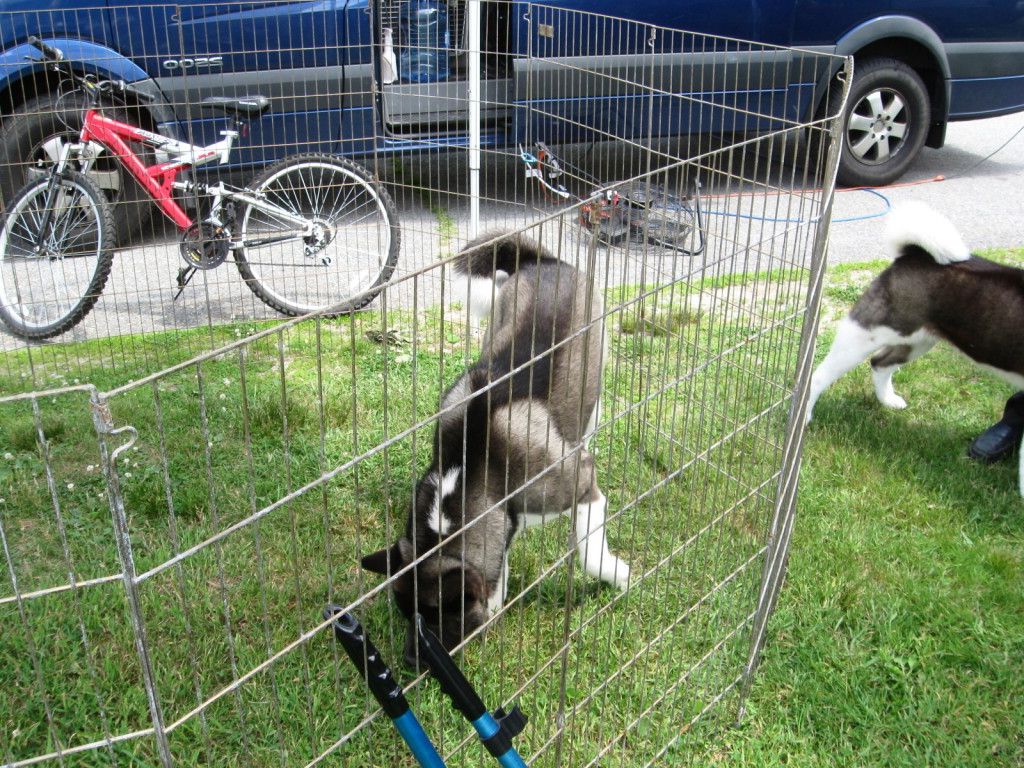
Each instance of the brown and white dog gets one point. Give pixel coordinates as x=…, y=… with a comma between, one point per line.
x=934, y=290
x=510, y=444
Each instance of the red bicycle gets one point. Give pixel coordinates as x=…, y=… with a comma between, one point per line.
x=311, y=233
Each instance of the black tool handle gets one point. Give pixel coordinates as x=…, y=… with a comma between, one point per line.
x=448, y=676
x=368, y=661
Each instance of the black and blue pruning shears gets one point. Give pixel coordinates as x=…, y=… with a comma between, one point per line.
x=382, y=685
x=495, y=731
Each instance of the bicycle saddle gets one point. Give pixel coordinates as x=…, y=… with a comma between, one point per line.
x=247, y=106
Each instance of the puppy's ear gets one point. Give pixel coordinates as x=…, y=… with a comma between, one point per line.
x=462, y=585
x=383, y=561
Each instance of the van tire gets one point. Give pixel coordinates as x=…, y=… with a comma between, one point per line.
x=885, y=123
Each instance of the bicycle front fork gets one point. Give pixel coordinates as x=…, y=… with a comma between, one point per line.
x=55, y=196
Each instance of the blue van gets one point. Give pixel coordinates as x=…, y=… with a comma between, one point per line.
x=919, y=64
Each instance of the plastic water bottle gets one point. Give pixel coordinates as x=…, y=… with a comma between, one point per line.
x=388, y=62
x=424, y=59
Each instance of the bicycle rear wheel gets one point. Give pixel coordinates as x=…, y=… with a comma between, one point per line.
x=48, y=283
x=346, y=258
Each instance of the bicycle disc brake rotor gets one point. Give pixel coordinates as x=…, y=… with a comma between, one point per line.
x=314, y=243
x=204, y=246
x=656, y=212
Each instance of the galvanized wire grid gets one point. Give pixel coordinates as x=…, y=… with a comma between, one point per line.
x=173, y=523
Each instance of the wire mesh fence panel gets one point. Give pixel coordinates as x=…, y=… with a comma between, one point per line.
x=570, y=443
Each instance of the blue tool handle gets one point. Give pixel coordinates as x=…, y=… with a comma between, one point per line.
x=417, y=740
x=495, y=731
x=489, y=731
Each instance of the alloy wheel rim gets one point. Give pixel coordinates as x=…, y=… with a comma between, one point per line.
x=878, y=126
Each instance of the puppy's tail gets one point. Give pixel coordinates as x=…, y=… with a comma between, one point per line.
x=916, y=225
x=495, y=252
x=487, y=261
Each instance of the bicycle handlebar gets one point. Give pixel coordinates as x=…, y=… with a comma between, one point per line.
x=54, y=54
x=93, y=87
x=109, y=86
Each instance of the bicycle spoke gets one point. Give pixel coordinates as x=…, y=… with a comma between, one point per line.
x=347, y=249
x=54, y=263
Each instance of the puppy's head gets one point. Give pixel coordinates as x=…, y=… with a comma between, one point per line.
x=449, y=594
x=445, y=584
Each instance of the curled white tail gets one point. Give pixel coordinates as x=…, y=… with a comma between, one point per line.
x=918, y=224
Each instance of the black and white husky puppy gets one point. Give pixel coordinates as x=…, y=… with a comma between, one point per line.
x=934, y=290
x=510, y=443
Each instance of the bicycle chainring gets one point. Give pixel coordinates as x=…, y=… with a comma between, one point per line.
x=205, y=246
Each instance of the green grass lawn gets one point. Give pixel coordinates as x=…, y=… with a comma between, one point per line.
x=898, y=639
x=899, y=636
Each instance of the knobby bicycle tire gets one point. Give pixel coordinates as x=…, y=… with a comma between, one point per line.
x=347, y=260
x=77, y=260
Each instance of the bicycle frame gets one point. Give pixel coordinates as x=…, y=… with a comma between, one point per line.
x=159, y=180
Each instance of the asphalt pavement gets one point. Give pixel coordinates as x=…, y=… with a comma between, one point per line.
x=980, y=192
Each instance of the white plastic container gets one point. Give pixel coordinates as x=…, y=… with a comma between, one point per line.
x=388, y=61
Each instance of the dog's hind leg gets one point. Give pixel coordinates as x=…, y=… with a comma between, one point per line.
x=852, y=346
x=891, y=359
x=592, y=542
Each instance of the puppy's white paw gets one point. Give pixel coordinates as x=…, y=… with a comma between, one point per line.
x=892, y=400
x=617, y=575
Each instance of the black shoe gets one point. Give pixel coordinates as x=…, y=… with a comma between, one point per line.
x=995, y=443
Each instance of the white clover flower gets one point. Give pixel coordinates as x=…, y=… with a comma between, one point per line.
x=71, y=486
x=8, y=455
x=91, y=468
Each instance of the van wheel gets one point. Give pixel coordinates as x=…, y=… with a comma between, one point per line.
x=885, y=122
x=30, y=143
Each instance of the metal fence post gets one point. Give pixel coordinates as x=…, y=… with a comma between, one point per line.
x=104, y=425
x=777, y=551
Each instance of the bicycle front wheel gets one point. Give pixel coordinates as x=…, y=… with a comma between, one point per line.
x=56, y=250
x=343, y=256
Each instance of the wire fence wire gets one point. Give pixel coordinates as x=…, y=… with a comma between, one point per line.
x=186, y=484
